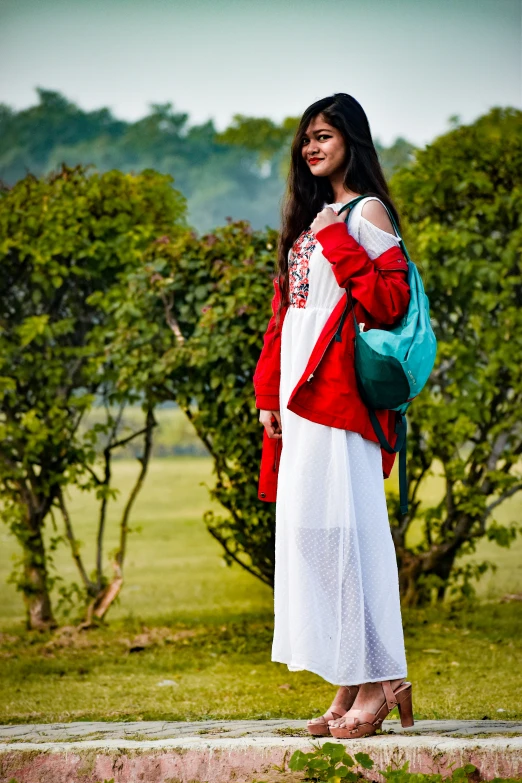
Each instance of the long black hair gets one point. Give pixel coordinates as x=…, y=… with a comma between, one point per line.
x=306, y=193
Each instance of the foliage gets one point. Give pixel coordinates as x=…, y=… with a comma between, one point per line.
x=239, y=171
x=462, y=204
x=259, y=133
x=28, y=137
x=263, y=136
x=217, y=178
x=395, y=157
x=67, y=244
x=331, y=763
x=203, y=311
x=457, y=775
x=216, y=374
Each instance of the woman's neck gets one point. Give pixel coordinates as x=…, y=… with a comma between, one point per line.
x=342, y=194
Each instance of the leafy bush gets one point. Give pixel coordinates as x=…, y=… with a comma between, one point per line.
x=462, y=205
x=197, y=311
x=331, y=763
x=67, y=244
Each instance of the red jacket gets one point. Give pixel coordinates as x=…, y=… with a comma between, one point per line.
x=327, y=390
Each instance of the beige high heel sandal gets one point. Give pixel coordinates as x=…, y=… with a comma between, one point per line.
x=359, y=723
x=319, y=726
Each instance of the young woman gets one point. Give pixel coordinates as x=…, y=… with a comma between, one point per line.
x=336, y=592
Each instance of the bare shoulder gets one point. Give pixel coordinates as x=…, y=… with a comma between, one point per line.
x=375, y=212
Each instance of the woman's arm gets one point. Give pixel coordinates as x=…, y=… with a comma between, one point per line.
x=379, y=284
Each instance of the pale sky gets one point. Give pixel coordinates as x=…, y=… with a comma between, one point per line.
x=410, y=63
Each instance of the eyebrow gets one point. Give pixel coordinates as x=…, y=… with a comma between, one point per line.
x=320, y=130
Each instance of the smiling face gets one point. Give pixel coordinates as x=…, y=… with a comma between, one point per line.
x=323, y=148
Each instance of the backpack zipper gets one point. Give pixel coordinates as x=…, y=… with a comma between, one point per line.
x=320, y=359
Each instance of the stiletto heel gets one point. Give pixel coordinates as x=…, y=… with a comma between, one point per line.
x=405, y=706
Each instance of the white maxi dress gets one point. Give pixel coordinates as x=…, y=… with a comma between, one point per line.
x=336, y=592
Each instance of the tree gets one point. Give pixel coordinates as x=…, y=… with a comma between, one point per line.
x=396, y=157
x=462, y=204
x=203, y=305
x=54, y=121
x=68, y=244
x=214, y=387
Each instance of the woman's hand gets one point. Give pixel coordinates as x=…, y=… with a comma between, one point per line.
x=273, y=428
x=326, y=217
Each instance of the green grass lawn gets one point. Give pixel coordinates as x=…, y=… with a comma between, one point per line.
x=191, y=638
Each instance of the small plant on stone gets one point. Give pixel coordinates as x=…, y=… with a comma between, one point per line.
x=330, y=763
x=401, y=775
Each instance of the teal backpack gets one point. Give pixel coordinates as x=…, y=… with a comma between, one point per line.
x=393, y=365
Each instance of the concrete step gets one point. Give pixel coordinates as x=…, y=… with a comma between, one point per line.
x=240, y=751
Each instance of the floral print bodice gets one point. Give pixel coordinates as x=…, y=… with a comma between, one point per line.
x=298, y=266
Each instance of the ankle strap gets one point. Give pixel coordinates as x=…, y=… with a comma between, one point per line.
x=389, y=694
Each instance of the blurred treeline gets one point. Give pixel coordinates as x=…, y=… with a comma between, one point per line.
x=239, y=172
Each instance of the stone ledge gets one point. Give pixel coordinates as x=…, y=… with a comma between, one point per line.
x=187, y=759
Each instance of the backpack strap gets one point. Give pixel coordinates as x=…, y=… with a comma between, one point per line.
x=401, y=447
x=401, y=424
x=351, y=204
